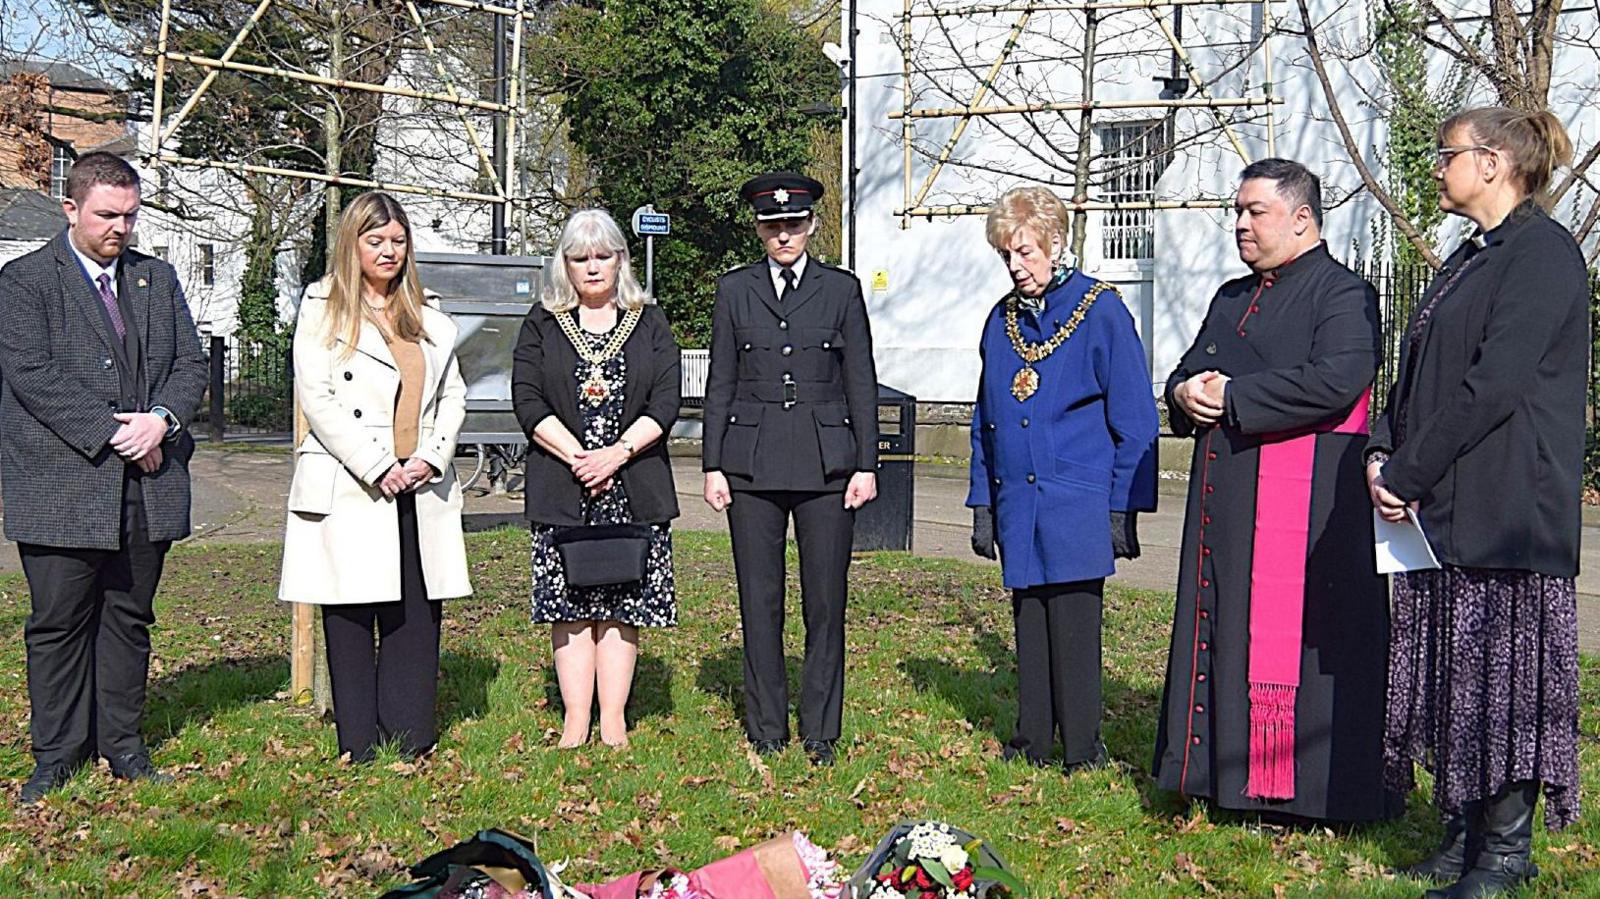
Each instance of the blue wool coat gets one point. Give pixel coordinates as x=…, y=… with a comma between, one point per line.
x=1054, y=466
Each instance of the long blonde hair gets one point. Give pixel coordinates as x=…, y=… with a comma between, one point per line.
x=346, y=309
x=587, y=231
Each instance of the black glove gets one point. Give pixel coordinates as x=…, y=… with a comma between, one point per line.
x=983, y=531
x=1124, y=535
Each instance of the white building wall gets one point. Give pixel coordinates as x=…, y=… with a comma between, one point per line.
x=929, y=286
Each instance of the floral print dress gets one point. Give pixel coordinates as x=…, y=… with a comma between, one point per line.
x=650, y=602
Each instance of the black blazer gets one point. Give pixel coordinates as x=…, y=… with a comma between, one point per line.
x=1492, y=404
x=819, y=340
x=542, y=384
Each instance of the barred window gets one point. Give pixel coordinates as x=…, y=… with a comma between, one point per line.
x=1132, y=157
x=207, y=264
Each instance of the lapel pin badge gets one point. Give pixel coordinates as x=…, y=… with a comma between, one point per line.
x=1211, y=349
x=143, y=283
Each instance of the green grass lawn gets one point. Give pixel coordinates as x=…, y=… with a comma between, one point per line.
x=261, y=809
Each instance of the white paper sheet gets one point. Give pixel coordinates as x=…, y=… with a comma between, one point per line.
x=1401, y=545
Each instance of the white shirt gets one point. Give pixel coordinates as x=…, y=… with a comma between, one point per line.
x=776, y=271
x=95, y=269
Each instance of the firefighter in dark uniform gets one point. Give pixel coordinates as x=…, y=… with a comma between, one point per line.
x=790, y=430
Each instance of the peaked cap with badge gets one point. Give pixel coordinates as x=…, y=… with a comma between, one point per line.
x=781, y=195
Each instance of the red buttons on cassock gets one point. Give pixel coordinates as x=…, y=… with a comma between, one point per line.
x=1205, y=550
x=1200, y=677
x=1204, y=614
x=1204, y=646
x=1210, y=489
x=1204, y=582
x=1200, y=708
x=1254, y=308
x=1196, y=741
x=1243, y=332
x=1211, y=455
x=1205, y=519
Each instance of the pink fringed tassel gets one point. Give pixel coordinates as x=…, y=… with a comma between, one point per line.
x=1271, y=742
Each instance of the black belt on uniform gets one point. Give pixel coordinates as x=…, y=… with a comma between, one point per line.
x=790, y=392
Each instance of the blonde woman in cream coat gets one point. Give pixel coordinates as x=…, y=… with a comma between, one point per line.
x=374, y=528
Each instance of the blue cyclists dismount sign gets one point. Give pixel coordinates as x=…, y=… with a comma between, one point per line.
x=649, y=223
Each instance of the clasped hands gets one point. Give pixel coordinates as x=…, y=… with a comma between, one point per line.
x=596, y=468
x=1201, y=397
x=139, y=438
x=401, y=477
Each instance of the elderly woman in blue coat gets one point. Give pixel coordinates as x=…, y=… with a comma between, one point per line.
x=1063, y=457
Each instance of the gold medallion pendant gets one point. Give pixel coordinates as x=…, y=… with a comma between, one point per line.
x=1025, y=383
x=595, y=388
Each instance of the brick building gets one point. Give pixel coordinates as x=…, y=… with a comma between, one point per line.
x=57, y=91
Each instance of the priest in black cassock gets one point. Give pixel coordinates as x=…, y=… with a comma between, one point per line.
x=1274, y=697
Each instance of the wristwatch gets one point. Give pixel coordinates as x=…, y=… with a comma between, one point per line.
x=173, y=425
x=626, y=444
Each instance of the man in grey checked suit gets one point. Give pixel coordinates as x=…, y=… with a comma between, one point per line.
x=102, y=369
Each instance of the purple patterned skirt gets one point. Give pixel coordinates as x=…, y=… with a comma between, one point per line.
x=1483, y=686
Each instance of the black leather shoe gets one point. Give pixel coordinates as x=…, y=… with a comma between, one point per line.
x=1100, y=759
x=137, y=766
x=47, y=777
x=767, y=747
x=821, y=752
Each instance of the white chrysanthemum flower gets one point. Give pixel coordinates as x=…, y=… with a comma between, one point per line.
x=953, y=857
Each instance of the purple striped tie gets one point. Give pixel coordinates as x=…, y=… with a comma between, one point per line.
x=112, y=309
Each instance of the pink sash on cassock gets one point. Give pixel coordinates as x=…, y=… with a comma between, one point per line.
x=1277, y=598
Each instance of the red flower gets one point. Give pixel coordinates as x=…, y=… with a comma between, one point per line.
x=962, y=878
x=923, y=880
x=929, y=894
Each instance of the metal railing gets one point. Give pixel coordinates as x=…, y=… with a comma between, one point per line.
x=251, y=390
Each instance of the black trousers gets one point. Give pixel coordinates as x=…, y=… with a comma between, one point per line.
x=384, y=689
x=1058, y=669
x=759, y=523
x=88, y=640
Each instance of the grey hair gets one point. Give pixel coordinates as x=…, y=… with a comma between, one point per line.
x=587, y=231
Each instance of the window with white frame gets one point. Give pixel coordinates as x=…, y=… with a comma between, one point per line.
x=60, y=165
x=1132, y=157
x=207, y=264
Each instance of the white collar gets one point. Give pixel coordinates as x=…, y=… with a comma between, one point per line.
x=94, y=268
x=775, y=270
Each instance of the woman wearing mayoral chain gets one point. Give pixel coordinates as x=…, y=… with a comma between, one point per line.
x=1063, y=457
x=595, y=386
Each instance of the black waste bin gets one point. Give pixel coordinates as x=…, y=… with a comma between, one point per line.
x=885, y=523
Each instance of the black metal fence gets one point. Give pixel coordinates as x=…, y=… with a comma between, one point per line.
x=251, y=390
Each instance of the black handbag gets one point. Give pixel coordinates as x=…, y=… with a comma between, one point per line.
x=600, y=554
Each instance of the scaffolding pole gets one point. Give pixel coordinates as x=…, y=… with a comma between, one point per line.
x=211, y=76
x=291, y=75
x=1067, y=105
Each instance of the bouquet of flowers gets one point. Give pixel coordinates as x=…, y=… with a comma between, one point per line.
x=932, y=860
x=784, y=867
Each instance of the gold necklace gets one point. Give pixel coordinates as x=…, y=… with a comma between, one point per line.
x=596, y=388
x=1026, y=383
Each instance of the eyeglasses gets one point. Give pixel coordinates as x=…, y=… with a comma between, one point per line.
x=1443, y=155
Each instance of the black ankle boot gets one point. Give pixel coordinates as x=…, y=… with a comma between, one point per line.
x=1455, y=855
x=1504, y=863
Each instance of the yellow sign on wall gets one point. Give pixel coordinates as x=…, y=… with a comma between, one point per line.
x=880, y=280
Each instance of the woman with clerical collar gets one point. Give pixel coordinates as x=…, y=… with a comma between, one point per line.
x=1063, y=458
x=1483, y=439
